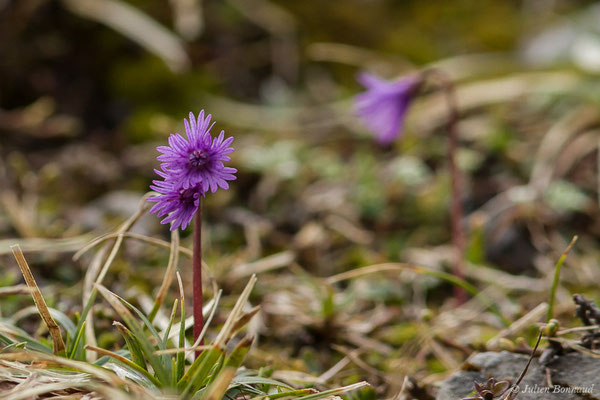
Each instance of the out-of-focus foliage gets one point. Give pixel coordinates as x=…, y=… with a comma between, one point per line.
x=89, y=88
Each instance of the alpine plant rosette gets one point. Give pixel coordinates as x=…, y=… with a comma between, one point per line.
x=190, y=166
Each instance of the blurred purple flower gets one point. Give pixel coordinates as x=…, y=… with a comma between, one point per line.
x=383, y=107
x=180, y=203
x=199, y=159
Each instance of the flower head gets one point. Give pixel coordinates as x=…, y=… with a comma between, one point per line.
x=383, y=106
x=199, y=158
x=180, y=203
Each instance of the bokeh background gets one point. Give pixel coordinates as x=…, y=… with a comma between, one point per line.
x=88, y=89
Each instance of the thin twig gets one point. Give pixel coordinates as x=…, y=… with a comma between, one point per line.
x=131, y=235
x=509, y=394
x=456, y=212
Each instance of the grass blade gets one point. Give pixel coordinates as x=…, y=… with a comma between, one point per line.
x=171, y=320
x=165, y=359
x=225, y=332
x=559, y=264
x=180, y=359
x=192, y=382
x=132, y=344
x=78, y=343
x=235, y=359
x=119, y=234
x=243, y=320
x=290, y=394
x=198, y=372
x=79, y=329
x=112, y=386
x=169, y=274
x=63, y=320
x=125, y=361
x=22, y=336
x=208, y=320
x=115, y=301
x=5, y=340
x=217, y=389
x=259, y=380
x=38, y=299
x=334, y=392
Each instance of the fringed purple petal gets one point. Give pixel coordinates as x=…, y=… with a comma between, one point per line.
x=383, y=107
x=190, y=168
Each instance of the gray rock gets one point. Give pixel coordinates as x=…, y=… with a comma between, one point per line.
x=577, y=370
x=569, y=373
x=459, y=385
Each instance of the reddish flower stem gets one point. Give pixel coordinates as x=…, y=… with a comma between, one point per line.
x=197, y=276
x=456, y=213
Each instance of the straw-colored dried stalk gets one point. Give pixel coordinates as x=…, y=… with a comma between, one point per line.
x=39, y=301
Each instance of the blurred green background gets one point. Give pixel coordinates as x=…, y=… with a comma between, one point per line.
x=88, y=89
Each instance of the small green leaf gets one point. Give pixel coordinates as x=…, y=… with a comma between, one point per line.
x=171, y=320
x=79, y=328
x=133, y=345
x=192, y=382
x=163, y=374
x=78, y=343
x=258, y=380
x=180, y=364
x=235, y=359
x=63, y=320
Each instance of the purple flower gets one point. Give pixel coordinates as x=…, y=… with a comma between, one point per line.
x=199, y=159
x=180, y=203
x=383, y=106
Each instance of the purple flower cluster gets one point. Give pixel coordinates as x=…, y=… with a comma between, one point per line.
x=383, y=107
x=190, y=167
